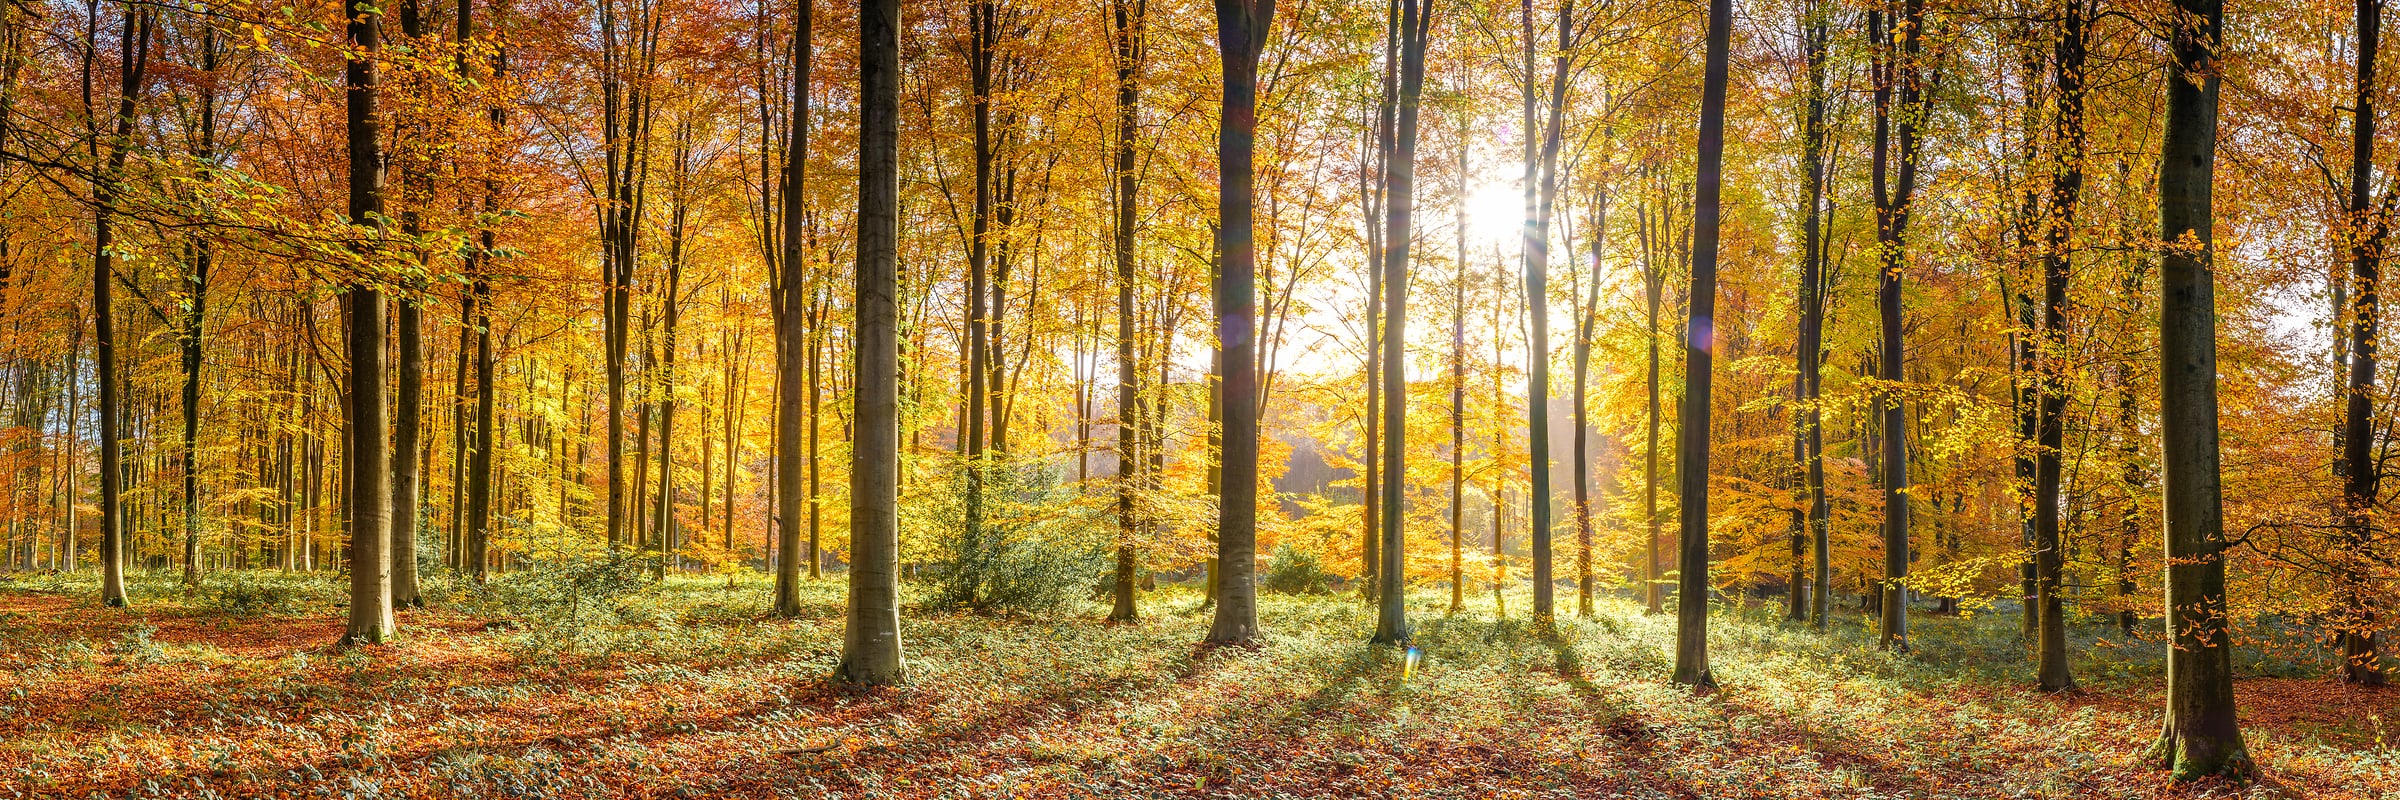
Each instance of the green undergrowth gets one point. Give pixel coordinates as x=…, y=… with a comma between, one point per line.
x=604, y=681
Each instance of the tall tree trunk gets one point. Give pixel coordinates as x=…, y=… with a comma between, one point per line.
x=1691, y=593
x=133, y=60
x=1377, y=195
x=1541, y=193
x=2201, y=736
x=2066, y=188
x=1130, y=48
x=1458, y=387
x=1400, y=182
x=1242, y=27
x=793, y=351
x=408, y=450
x=1587, y=321
x=1895, y=47
x=678, y=219
x=871, y=639
x=2360, y=471
x=195, y=316
x=366, y=482
x=1817, y=30
x=1654, y=286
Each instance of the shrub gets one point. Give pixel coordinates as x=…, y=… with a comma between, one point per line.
x=1035, y=550
x=251, y=594
x=564, y=607
x=1293, y=571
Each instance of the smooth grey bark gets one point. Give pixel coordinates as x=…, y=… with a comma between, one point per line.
x=2066, y=190
x=1400, y=182
x=2201, y=735
x=792, y=347
x=133, y=61
x=1129, y=48
x=871, y=652
x=1691, y=593
x=1895, y=45
x=1541, y=195
x=366, y=486
x=1242, y=27
x=2360, y=471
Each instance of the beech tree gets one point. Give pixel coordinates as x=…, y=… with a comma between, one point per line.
x=1691, y=592
x=871, y=637
x=366, y=451
x=2201, y=736
x=1242, y=27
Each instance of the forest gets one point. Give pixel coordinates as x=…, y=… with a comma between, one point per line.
x=1265, y=398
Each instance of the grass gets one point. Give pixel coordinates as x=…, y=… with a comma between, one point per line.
x=688, y=689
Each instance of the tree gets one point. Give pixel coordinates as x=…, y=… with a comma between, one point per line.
x=1242, y=27
x=629, y=60
x=2066, y=188
x=871, y=639
x=195, y=318
x=1128, y=48
x=408, y=412
x=366, y=450
x=1895, y=45
x=1691, y=592
x=792, y=346
x=2356, y=464
x=2201, y=736
x=1816, y=41
x=133, y=58
x=1541, y=196
x=1400, y=180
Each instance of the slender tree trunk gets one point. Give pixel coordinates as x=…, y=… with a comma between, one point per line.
x=1130, y=48
x=792, y=349
x=2201, y=736
x=1587, y=321
x=2360, y=470
x=366, y=483
x=1816, y=30
x=1377, y=195
x=134, y=57
x=1654, y=285
x=1458, y=388
x=1691, y=601
x=871, y=639
x=1242, y=27
x=2066, y=188
x=195, y=316
x=1400, y=181
x=1541, y=193
x=1895, y=47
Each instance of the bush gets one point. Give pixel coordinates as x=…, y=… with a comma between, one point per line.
x=1035, y=550
x=564, y=607
x=252, y=594
x=1293, y=571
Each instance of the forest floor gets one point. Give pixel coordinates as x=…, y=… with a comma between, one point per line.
x=688, y=690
